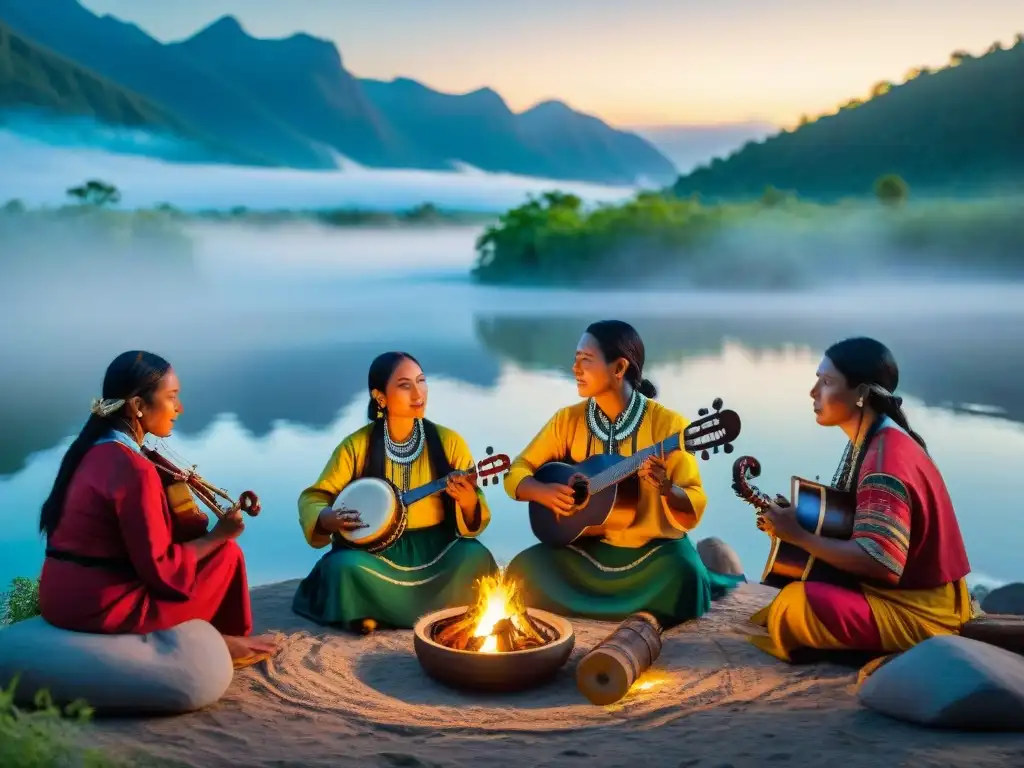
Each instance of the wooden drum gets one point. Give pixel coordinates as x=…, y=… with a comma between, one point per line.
x=380, y=507
x=607, y=673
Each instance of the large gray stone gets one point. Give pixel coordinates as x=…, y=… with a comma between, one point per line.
x=171, y=671
x=1005, y=599
x=950, y=682
x=719, y=557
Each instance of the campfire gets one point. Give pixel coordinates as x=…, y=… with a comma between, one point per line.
x=496, y=644
x=497, y=622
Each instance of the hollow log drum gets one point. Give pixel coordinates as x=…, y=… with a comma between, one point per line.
x=607, y=673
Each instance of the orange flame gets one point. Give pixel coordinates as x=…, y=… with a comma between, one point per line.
x=497, y=598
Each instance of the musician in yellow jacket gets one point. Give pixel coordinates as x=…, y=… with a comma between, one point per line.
x=437, y=560
x=651, y=565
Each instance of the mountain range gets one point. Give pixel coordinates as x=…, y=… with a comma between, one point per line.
x=291, y=102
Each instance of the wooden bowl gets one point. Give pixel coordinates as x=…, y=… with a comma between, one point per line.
x=511, y=671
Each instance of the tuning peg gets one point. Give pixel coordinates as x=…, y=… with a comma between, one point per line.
x=717, y=403
x=490, y=450
x=702, y=411
x=704, y=455
x=728, y=448
x=716, y=449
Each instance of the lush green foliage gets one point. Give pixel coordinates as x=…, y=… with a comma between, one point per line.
x=659, y=239
x=950, y=132
x=554, y=238
x=46, y=736
x=20, y=602
x=891, y=189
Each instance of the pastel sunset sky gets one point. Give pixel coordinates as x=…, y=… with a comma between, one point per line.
x=632, y=62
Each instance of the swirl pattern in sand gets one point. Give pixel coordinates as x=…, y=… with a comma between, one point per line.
x=377, y=680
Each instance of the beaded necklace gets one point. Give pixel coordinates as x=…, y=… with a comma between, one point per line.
x=404, y=454
x=610, y=434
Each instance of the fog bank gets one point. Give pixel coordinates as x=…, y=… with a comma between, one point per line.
x=38, y=173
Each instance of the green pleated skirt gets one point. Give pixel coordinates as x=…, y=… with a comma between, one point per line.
x=426, y=570
x=592, y=579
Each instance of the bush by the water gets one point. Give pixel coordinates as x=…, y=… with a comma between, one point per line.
x=44, y=737
x=20, y=602
x=660, y=240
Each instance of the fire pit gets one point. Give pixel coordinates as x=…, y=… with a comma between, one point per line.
x=496, y=644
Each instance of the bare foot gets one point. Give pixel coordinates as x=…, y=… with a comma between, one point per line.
x=261, y=646
x=368, y=626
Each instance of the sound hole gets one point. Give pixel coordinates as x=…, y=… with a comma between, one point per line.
x=602, y=678
x=580, y=490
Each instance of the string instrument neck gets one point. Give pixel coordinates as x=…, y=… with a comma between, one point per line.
x=204, y=491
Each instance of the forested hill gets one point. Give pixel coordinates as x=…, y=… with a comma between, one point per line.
x=32, y=76
x=955, y=131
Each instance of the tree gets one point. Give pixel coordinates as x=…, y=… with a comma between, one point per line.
x=773, y=196
x=891, y=190
x=95, y=192
x=958, y=57
x=880, y=89
x=995, y=47
x=915, y=72
x=13, y=206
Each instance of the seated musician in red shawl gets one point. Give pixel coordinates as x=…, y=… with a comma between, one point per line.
x=112, y=562
x=906, y=556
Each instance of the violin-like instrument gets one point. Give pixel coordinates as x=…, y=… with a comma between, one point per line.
x=184, y=486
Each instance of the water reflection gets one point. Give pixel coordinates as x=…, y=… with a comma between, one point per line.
x=290, y=406
x=965, y=362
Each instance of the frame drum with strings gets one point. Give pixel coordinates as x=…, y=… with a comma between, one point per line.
x=379, y=507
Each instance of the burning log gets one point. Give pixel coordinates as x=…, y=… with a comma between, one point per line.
x=506, y=633
x=498, y=622
x=455, y=632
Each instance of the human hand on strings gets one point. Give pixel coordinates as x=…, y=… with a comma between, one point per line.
x=556, y=497
x=338, y=520
x=462, y=488
x=779, y=520
x=654, y=470
x=230, y=526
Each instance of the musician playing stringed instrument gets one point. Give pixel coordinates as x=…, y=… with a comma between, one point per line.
x=906, y=557
x=113, y=564
x=647, y=563
x=435, y=560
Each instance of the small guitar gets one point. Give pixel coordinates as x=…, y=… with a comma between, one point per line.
x=595, y=480
x=384, y=508
x=819, y=509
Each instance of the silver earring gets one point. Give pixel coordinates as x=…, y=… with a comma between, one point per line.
x=139, y=414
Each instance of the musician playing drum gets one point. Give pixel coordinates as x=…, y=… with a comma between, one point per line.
x=436, y=561
x=112, y=564
x=906, y=559
x=651, y=565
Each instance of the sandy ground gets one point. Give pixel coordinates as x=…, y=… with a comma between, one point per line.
x=336, y=699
